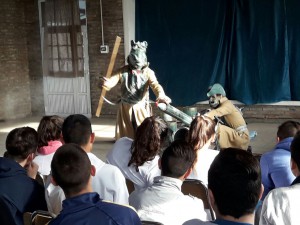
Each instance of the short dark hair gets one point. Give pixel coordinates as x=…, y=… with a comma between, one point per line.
x=71, y=168
x=177, y=159
x=234, y=178
x=295, y=149
x=288, y=129
x=76, y=129
x=49, y=129
x=20, y=142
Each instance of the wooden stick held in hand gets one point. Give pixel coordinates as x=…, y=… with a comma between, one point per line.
x=108, y=73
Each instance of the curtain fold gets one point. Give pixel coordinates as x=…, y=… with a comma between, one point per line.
x=63, y=42
x=251, y=47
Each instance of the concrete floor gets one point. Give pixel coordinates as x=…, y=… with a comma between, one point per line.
x=104, y=128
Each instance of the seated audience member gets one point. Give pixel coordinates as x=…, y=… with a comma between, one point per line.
x=275, y=165
x=49, y=134
x=281, y=205
x=108, y=182
x=19, y=191
x=72, y=171
x=138, y=158
x=163, y=201
x=201, y=135
x=234, y=188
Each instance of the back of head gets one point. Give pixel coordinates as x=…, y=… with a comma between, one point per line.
x=76, y=129
x=49, y=129
x=177, y=159
x=201, y=130
x=288, y=129
x=21, y=142
x=234, y=178
x=150, y=137
x=295, y=149
x=71, y=168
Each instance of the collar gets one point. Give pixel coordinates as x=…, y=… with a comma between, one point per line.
x=167, y=181
x=80, y=202
x=223, y=99
x=228, y=222
x=296, y=181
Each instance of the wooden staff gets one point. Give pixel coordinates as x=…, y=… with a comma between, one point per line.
x=108, y=73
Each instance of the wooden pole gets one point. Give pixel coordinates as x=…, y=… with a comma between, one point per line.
x=108, y=73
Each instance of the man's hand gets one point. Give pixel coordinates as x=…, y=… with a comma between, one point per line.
x=32, y=170
x=164, y=99
x=105, y=83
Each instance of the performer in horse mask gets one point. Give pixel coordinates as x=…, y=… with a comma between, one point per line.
x=135, y=80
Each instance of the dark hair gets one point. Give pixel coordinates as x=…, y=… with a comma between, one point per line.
x=71, y=168
x=295, y=149
x=201, y=130
x=234, y=178
x=49, y=129
x=150, y=137
x=288, y=129
x=177, y=159
x=20, y=142
x=77, y=129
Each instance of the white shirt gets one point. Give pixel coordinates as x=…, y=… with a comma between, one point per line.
x=44, y=163
x=120, y=156
x=281, y=206
x=108, y=182
x=205, y=156
x=164, y=202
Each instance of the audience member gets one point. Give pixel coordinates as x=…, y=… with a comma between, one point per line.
x=234, y=182
x=163, y=201
x=138, y=158
x=19, y=191
x=49, y=135
x=108, y=182
x=275, y=164
x=72, y=171
x=281, y=205
x=201, y=135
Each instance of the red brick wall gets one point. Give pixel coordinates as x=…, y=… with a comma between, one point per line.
x=14, y=72
x=31, y=24
x=112, y=27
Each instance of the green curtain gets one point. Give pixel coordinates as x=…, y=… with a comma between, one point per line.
x=249, y=46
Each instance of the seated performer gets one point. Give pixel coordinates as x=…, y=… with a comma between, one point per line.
x=135, y=80
x=234, y=133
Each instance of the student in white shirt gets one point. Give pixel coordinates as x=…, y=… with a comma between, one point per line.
x=163, y=201
x=138, y=159
x=201, y=135
x=108, y=182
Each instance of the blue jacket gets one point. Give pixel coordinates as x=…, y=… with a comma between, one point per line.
x=18, y=193
x=275, y=167
x=89, y=209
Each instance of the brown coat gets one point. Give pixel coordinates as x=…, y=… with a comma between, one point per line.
x=140, y=110
x=229, y=136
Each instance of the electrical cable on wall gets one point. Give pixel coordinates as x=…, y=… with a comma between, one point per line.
x=103, y=48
